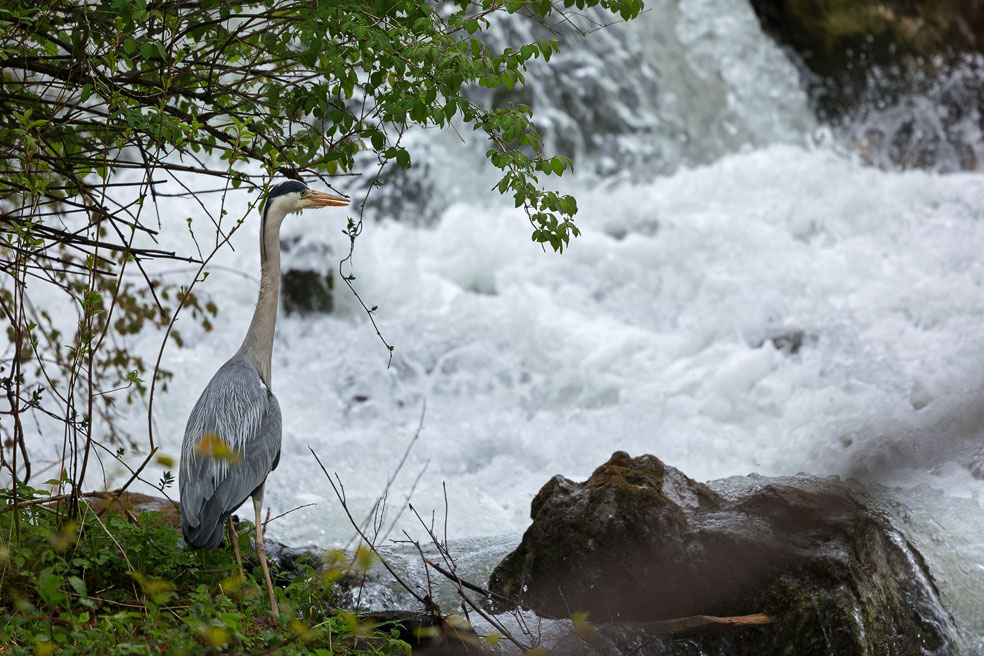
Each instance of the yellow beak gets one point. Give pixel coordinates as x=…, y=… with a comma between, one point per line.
x=321, y=199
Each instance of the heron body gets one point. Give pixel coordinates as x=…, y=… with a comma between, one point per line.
x=234, y=443
x=232, y=439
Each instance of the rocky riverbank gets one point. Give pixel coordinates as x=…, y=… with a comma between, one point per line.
x=641, y=558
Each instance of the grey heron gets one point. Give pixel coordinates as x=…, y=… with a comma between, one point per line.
x=232, y=439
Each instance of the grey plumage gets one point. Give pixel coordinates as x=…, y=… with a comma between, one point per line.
x=232, y=440
x=244, y=415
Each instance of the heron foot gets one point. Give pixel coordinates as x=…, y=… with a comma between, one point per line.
x=261, y=554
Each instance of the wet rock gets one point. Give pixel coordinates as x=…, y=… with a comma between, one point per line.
x=787, y=341
x=841, y=42
x=305, y=291
x=611, y=532
x=901, y=78
x=639, y=541
x=290, y=562
x=330, y=566
x=306, y=284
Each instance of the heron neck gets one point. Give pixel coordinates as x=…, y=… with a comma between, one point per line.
x=258, y=344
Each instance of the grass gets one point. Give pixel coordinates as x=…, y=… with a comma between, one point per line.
x=112, y=585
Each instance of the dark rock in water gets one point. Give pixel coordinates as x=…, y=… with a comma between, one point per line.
x=594, y=545
x=832, y=36
x=842, y=42
x=900, y=77
x=292, y=562
x=307, y=282
x=788, y=341
x=328, y=566
x=639, y=541
x=305, y=291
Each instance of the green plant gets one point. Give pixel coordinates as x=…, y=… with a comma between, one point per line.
x=116, y=585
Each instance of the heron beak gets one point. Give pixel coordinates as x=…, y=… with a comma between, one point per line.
x=320, y=199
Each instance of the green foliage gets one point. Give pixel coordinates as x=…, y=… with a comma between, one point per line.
x=109, y=585
x=300, y=88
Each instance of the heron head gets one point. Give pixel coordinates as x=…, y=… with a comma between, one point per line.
x=293, y=196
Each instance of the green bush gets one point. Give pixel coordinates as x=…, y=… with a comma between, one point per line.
x=124, y=585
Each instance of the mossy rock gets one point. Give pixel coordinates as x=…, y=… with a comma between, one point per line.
x=842, y=41
x=831, y=34
x=900, y=79
x=640, y=542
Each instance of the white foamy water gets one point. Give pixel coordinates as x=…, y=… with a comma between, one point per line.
x=656, y=333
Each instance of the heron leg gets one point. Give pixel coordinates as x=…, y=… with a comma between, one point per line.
x=261, y=549
x=235, y=549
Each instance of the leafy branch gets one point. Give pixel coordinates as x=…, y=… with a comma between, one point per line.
x=110, y=103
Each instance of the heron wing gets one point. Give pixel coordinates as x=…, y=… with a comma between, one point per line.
x=231, y=444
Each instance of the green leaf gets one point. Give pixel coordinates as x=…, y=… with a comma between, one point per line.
x=79, y=586
x=49, y=586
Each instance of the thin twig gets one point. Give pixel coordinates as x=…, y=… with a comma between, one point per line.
x=446, y=555
x=426, y=602
x=398, y=469
x=284, y=514
x=485, y=592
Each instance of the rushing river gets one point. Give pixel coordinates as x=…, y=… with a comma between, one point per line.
x=746, y=296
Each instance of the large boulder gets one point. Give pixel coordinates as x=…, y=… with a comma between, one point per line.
x=639, y=542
